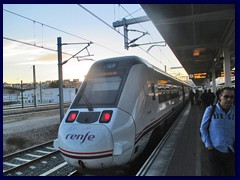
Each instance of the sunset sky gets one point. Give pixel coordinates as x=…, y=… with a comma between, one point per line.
x=27, y=28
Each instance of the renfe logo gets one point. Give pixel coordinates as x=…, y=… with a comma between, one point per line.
x=81, y=137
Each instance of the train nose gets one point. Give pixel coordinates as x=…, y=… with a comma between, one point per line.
x=92, y=145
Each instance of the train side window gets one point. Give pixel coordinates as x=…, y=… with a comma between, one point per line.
x=153, y=92
x=149, y=90
x=160, y=94
x=146, y=91
x=173, y=93
x=159, y=97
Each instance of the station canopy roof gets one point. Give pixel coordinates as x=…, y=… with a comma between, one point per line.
x=196, y=33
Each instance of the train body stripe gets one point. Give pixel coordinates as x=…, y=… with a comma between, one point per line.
x=86, y=155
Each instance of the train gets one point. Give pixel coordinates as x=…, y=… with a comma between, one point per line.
x=116, y=109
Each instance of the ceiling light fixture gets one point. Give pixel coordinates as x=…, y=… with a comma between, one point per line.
x=196, y=52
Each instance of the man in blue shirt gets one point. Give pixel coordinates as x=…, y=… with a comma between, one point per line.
x=219, y=135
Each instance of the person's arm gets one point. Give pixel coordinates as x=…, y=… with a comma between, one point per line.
x=204, y=128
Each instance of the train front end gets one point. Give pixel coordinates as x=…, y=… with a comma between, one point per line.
x=94, y=132
x=90, y=139
x=85, y=145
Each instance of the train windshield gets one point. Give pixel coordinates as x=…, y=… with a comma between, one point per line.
x=104, y=83
x=101, y=91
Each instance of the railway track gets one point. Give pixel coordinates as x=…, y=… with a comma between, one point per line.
x=19, y=114
x=42, y=107
x=40, y=160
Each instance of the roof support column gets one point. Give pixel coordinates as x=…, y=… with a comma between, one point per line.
x=227, y=67
x=213, y=79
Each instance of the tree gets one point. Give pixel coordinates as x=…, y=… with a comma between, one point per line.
x=54, y=84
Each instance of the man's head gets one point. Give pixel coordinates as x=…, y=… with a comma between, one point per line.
x=226, y=97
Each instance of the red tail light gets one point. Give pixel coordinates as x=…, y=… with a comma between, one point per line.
x=72, y=116
x=106, y=117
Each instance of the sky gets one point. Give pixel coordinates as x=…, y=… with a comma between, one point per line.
x=30, y=33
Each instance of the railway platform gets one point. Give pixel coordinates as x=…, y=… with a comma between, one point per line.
x=183, y=153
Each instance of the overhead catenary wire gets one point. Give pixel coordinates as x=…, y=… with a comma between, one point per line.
x=99, y=19
x=116, y=30
x=130, y=14
x=34, y=45
x=133, y=12
x=57, y=29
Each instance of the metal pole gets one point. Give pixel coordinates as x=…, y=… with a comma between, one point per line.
x=60, y=79
x=125, y=35
x=22, y=92
x=214, y=79
x=40, y=91
x=34, y=87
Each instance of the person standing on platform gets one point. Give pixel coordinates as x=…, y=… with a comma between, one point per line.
x=211, y=97
x=192, y=97
x=197, y=97
x=204, y=98
x=218, y=134
x=217, y=96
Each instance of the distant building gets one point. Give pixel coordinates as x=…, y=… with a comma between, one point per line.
x=12, y=92
x=48, y=95
x=10, y=95
x=75, y=83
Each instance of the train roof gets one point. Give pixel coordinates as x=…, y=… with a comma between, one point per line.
x=126, y=60
x=131, y=60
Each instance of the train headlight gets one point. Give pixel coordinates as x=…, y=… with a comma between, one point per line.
x=106, y=116
x=72, y=116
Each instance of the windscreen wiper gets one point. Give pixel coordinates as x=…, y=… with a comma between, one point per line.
x=89, y=106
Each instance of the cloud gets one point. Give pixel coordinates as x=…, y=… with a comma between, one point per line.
x=15, y=48
x=36, y=62
x=27, y=54
x=46, y=58
x=52, y=57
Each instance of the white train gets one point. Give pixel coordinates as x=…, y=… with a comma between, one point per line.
x=120, y=103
